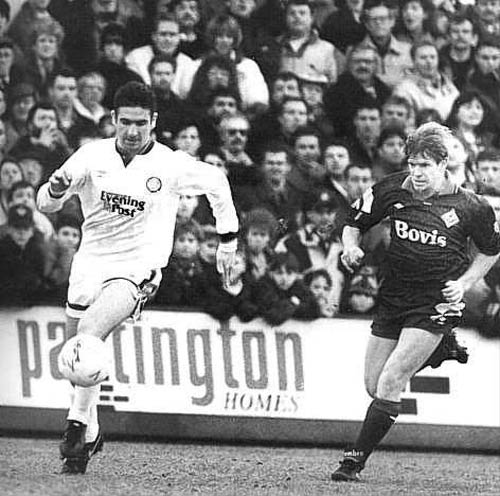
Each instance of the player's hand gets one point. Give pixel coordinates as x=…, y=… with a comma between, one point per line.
x=59, y=182
x=453, y=291
x=351, y=258
x=225, y=261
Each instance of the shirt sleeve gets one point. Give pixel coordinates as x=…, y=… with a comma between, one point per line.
x=484, y=228
x=368, y=210
x=76, y=168
x=198, y=178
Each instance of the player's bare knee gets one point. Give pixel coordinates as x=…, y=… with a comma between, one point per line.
x=391, y=385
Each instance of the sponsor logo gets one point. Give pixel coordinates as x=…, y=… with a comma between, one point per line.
x=450, y=218
x=433, y=238
x=121, y=204
x=153, y=184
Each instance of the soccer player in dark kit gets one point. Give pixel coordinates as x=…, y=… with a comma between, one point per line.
x=428, y=270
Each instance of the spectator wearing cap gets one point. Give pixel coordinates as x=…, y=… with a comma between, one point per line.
x=23, y=24
x=313, y=87
x=21, y=99
x=22, y=260
x=282, y=295
x=165, y=40
x=44, y=57
x=44, y=141
x=344, y=27
x=317, y=245
x=357, y=85
x=427, y=87
x=394, y=59
x=11, y=72
x=112, y=61
x=302, y=49
x=172, y=111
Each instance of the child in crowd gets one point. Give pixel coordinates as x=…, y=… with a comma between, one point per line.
x=32, y=170
x=208, y=245
x=23, y=193
x=60, y=252
x=22, y=259
x=319, y=283
x=281, y=295
x=222, y=302
x=259, y=230
x=183, y=283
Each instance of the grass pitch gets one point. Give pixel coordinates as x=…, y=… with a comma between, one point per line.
x=31, y=467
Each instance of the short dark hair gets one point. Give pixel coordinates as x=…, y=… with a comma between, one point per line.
x=489, y=155
x=286, y=260
x=299, y=2
x=290, y=99
x=160, y=58
x=306, y=131
x=261, y=218
x=135, y=94
x=276, y=147
x=389, y=132
x=41, y=105
x=224, y=92
x=22, y=184
x=429, y=140
x=310, y=275
x=488, y=41
x=423, y=42
x=356, y=165
x=5, y=9
x=67, y=220
x=64, y=71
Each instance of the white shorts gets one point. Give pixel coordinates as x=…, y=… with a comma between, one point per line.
x=89, y=278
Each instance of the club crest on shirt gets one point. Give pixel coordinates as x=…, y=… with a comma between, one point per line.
x=450, y=218
x=153, y=184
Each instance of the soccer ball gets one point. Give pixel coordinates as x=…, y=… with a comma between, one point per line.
x=85, y=360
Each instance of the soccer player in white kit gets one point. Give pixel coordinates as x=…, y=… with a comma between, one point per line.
x=129, y=188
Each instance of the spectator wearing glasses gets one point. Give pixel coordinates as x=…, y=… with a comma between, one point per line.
x=394, y=57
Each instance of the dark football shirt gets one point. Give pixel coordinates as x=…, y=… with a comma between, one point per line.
x=429, y=238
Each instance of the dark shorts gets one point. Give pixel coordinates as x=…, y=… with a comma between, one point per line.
x=400, y=307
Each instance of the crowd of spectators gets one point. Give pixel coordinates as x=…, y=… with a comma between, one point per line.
x=304, y=104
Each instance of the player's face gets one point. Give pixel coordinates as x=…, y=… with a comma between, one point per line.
x=320, y=288
x=283, y=278
x=426, y=174
x=133, y=128
x=186, y=245
x=257, y=239
x=336, y=159
x=68, y=237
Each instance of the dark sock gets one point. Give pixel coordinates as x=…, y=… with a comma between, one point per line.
x=380, y=416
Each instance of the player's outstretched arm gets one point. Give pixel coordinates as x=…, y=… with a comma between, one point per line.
x=352, y=255
x=454, y=291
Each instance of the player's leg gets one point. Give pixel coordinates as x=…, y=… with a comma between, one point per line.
x=378, y=351
x=412, y=350
x=82, y=437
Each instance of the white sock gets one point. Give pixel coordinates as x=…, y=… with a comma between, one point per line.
x=84, y=398
x=93, y=425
